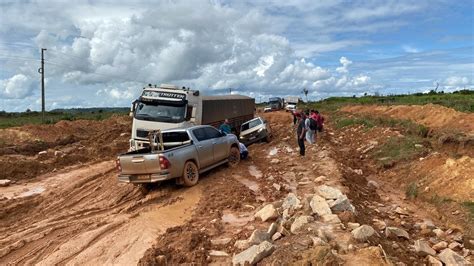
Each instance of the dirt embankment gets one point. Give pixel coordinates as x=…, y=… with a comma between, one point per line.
x=432, y=116
x=31, y=150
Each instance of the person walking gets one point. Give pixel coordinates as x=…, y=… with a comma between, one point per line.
x=300, y=133
x=310, y=125
x=225, y=127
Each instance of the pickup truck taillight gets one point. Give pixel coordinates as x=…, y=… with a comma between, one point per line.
x=117, y=164
x=164, y=163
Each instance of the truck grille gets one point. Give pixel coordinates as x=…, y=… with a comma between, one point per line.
x=142, y=133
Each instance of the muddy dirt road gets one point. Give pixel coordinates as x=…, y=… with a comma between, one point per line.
x=76, y=213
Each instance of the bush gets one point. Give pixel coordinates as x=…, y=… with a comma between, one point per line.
x=412, y=191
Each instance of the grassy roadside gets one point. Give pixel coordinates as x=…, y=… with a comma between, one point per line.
x=35, y=118
x=461, y=101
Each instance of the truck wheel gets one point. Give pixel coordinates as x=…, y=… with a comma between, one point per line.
x=234, y=156
x=190, y=174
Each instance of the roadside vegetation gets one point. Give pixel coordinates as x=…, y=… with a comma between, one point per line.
x=460, y=100
x=32, y=117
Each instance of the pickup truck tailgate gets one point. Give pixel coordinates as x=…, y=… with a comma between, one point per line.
x=140, y=164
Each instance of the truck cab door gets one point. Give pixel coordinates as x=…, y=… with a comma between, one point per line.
x=204, y=147
x=220, y=146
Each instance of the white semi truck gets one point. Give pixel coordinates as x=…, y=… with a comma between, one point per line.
x=291, y=102
x=168, y=106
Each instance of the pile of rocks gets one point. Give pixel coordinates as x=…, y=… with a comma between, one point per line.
x=317, y=220
x=441, y=246
x=315, y=214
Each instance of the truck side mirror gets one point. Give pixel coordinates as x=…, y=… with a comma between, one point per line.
x=189, y=113
x=132, y=108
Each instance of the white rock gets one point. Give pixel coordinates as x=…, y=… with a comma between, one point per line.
x=317, y=241
x=299, y=223
x=42, y=153
x=342, y=204
x=5, y=182
x=320, y=179
x=379, y=224
x=423, y=248
x=218, y=253
x=439, y=233
x=455, y=246
x=440, y=246
x=221, y=241
x=257, y=237
x=450, y=257
x=272, y=229
x=331, y=219
x=352, y=226
x=291, y=201
x=392, y=232
x=373, y=184
x=275, y=161
x=432, y=261
x=267, y=213
x=363, y=232
x=253, y=254
x=328, y=192
x=276, y=236
x=241, y=244
x=277, y=186
x=319, y=205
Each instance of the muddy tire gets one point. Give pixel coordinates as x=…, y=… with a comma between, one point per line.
x=144, y=188
x=190, y=174
x=234, y=157
x=268, y=138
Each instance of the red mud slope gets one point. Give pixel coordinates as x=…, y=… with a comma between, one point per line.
x=430, y=115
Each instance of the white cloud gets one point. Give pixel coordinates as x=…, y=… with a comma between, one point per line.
x=345, y=64
x=410, y=49
x=17, y=87
x=456, y=81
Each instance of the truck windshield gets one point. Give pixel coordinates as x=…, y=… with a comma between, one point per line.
x=251, y=124
x=160, y=113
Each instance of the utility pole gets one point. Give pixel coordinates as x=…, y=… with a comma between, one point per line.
x=41, y=71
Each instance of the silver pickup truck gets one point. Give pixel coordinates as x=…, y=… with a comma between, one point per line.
x=181, y=153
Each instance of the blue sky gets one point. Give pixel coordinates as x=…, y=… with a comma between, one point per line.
x=101, y=53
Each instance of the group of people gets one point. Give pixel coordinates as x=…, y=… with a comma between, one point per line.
x=308, y=124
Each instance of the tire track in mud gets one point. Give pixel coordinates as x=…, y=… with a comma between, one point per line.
x=84, y=215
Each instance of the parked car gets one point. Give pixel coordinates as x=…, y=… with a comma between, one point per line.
x=291, y=107
x=179, y=153
x=255, y=130
x=267, y=109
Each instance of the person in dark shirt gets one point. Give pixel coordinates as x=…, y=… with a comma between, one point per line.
x=301, y=132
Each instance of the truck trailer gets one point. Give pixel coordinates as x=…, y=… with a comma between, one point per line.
x=168, y=106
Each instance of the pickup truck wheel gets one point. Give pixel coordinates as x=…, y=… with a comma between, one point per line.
x=190, y=174
x=234, y=156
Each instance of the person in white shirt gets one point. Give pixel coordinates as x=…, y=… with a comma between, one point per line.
x=309, y=131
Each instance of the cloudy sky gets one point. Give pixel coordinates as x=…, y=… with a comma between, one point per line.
x=101, y=53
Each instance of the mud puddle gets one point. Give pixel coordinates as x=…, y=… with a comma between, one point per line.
x=252, y=185
x=234, y=220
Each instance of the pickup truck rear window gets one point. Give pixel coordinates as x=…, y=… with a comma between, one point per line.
x=175, y=136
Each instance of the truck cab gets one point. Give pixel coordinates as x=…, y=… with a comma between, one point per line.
x=163, y=107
